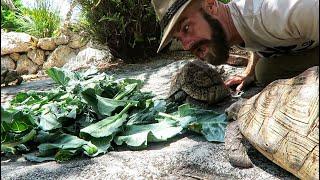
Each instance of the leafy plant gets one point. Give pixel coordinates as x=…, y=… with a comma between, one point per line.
x=9, y=20
x=41, y=21
x=129, y=27
x=90, y=113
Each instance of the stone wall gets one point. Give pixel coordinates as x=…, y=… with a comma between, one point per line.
x=27, y=54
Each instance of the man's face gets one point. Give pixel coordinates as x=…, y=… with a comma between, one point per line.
x=203, y=36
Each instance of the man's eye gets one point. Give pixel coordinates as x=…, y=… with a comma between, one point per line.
x=186, y=28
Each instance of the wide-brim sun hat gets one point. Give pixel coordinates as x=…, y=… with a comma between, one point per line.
x=168, y=12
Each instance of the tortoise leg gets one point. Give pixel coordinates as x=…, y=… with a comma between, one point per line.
x=236, y=150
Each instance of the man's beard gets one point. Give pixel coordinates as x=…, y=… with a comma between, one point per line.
x=218, y=46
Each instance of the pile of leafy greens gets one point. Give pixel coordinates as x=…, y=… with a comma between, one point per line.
x=89, y=113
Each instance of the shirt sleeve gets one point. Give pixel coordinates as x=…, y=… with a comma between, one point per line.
x=291, y=19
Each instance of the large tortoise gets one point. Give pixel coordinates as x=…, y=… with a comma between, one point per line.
x=199, y=83
x=281, y=122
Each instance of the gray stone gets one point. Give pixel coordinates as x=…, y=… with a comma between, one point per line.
x=59, y=57
x=16, y=42
x=26, y=66
x=37, y=56
x=47, y=44
x=7, y=63
x=61, y=40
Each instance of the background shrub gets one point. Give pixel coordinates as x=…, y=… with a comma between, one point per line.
x=129, y=27
x=42, y=20
x=9, y=20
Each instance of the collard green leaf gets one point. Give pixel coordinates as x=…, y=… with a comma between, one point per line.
x=125, y=91
x=59, y=76
x=8, y=148
x=65, y=155
x=212, y=128
x=6, y=115
x=103, y=144
x=147, y=115
x=140, y=135
x=67, y=142
x=105, y=127
x=34, y=158
x=106, y=106
x=49, y=122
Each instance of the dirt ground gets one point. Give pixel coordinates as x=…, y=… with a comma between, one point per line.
x=188, y=156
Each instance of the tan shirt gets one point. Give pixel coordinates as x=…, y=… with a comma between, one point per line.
x=275, y=27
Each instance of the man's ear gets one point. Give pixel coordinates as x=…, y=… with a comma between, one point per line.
x=211, y=6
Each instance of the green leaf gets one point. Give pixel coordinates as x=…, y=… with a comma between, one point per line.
x=67, y=142
x=103, y=144
x=105, y=127
x=126, y=91
x=65, y=155
x=49, y=122
x=147, y=115
x=59, y=76
x=212, y=128
x=6, y=116
x=34, y=158
x=8, y=148
x=140, y=135
x=106, y=106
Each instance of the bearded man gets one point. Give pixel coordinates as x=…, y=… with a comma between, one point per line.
x=282, y=34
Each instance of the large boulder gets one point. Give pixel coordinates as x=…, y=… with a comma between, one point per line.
x=37, y=56
x=26, y=66
x=59, y=57
x=90, y=56
x=17, y=42
x=77, y=41
x=47, y=44
x=7, y=63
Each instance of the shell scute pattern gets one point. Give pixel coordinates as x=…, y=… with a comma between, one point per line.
x=200, y=81
x=282, y=122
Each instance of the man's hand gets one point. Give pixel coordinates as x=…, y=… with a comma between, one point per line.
x=241, y=80
x=246, y=77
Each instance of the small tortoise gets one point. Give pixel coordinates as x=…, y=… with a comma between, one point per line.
x=199, y=83
x=8, y=76
x=282, y=123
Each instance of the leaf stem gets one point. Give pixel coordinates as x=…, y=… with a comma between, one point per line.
x=168, y=116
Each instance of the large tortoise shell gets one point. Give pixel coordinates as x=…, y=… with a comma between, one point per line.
x=282, y=122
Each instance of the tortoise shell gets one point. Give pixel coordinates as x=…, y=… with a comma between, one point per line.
x=200, y=81
x=282, y=122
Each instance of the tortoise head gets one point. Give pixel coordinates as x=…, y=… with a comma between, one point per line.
x=233, y=109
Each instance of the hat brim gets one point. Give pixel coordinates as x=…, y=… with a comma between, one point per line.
x=167, y=34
